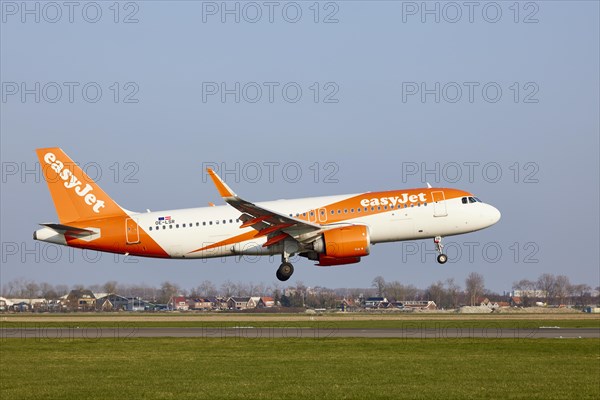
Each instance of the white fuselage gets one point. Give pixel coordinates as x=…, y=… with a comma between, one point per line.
x=187, y=230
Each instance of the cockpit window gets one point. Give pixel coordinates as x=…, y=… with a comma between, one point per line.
x=470, y=199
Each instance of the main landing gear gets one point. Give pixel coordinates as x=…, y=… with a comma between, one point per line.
x=441, y=258
x=286, y=269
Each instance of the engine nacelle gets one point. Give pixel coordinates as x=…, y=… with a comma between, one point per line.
x=344, y=242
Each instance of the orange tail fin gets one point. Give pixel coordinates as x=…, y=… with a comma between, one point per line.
x=76, y=197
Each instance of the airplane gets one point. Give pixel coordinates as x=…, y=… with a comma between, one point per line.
x=332, y=230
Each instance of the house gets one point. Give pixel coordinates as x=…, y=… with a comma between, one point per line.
x=238, y=303
x=81, y=300
x=376, y=302
x=34, y=304
x=5, y=304
x=416, y=305
x=218, y=303
x=110, y=302
x=57, y=305
x=345, y=304
x=537, y=293
x=253, y=302
x=266, y=302
x=138, y=304
x=178, y=303
x=515, y=301
x=199, y=303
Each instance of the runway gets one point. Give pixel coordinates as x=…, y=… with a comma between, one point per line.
x=130, y=332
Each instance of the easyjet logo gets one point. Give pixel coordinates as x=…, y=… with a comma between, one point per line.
x=73, y=183
x=393, y=200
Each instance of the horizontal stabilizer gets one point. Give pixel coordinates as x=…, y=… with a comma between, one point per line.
x=70, y=230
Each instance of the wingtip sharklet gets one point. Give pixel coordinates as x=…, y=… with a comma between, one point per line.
x=224, y=190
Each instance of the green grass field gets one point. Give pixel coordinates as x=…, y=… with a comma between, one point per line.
x=236, y=368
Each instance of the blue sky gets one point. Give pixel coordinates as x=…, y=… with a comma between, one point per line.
x=371, y=96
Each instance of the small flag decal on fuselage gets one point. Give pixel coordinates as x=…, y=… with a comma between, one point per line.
x=165, y=220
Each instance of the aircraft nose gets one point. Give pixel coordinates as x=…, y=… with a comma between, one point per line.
x=494, y=215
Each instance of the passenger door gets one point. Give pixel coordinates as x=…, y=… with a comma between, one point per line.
x=439, y=204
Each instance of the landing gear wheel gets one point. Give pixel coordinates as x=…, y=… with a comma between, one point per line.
x=439, y=247
x=285, y=271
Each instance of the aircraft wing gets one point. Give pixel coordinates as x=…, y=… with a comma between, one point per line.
x=276, y=226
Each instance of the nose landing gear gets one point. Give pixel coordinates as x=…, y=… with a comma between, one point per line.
x=441, y=258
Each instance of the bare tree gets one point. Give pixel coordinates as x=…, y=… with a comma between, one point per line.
x=207, y=289
x=453, y=290
x=242, y=289
x=16, y=287
x=546, y=283
x=395, y=291
x=583, y=293
x=562, y=288
x=260, y=289
x=47, y=291
x=32, y=289
x=110, y=287
x=95, y=288
x=436, y=292
x=526, y=290
x=168, y=290
x=227, y=288
x=379, y=285
x=474, y=286
x=61, y=289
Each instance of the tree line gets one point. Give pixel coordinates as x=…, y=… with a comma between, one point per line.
x=548, y=288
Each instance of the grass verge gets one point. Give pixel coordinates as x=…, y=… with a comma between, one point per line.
x=183, y=368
